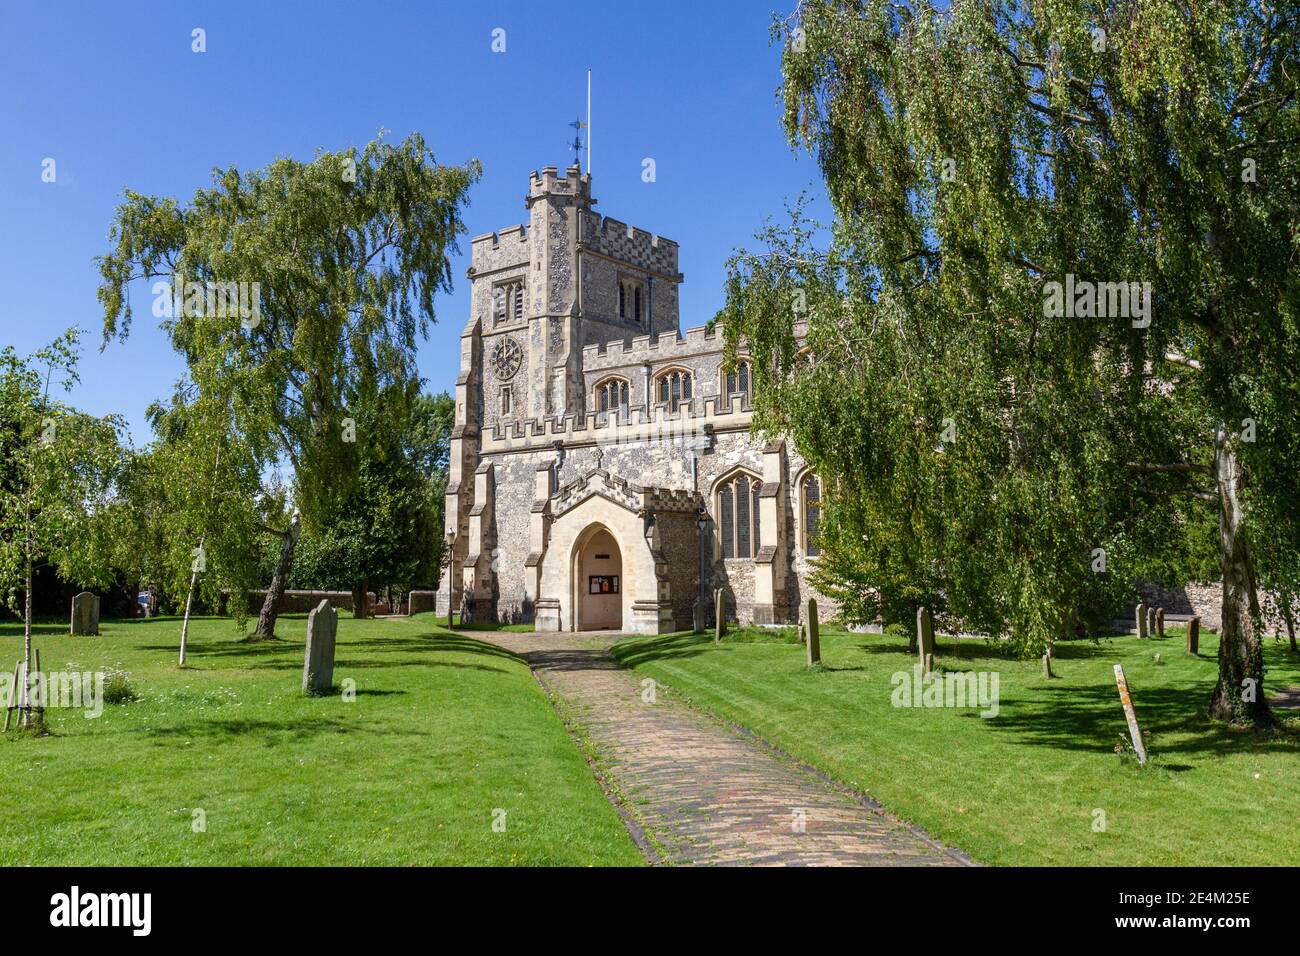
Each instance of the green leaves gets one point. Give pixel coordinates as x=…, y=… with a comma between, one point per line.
x=59, y=471
x=332, y=267
x=979, y=447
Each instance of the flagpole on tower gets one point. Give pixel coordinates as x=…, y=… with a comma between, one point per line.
x=589, y=122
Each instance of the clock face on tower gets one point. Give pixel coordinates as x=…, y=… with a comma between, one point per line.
x=506, y=359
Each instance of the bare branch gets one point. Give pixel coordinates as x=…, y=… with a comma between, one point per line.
x=1177, y=466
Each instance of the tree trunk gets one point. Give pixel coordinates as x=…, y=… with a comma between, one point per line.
x=1239, y=694
x=27, y=620
x=185, y=624
x=24, y=700
x=1288, y=615
x=270, y=607
x=360, y=601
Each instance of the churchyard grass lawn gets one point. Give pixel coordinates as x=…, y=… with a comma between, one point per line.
x=443, y=730
x=1023, y=787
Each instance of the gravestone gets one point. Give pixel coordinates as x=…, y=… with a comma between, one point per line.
x=318, y=661
x=1126, y=701
x=814, y=635
x=1142, y=620
x=1151, y=622
x=1160, y=622
x=924, y=635
x=1194, y=636
x=1047, y=665
x=85, y=613
x=720, y=615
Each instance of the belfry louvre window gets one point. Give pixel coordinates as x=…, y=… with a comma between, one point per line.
x=739, y=379
x=738, y=513
x=812, y=515
x=508, y=302
x=629, y=299
x=674, y=387
x=610, y=393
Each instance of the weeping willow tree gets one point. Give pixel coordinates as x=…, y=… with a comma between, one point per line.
x=284, y=289
x=1053, y=325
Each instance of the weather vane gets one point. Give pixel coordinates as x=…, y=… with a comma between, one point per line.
x=578, y=126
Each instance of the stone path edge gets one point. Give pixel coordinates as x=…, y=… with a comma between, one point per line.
x=866, y=800
x=640, y=834
x=626, y=812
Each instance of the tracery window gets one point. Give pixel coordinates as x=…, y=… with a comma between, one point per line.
x=610, y=393
x=738, y=379
x=810, y=496
x=674, y=387
x=738, y=511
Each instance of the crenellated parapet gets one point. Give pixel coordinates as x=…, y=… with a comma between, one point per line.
x=497, y=250
x=640, y=424
x=607, y=236
x=655, y=349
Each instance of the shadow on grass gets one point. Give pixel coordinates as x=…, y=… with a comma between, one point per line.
x=39, y=629
x=353, y=654
x=274, y=732
x=976, y=649
x=507, y=628
x=1087, y=717
x=636, y=651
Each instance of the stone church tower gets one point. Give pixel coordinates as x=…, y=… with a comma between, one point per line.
x=602, y=470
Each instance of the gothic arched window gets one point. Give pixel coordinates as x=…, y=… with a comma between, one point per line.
x=738, y=379
x=738, y=512
x=674, y=387
x=508, y=302
x=810, y=497
x=610, y=393
x=631, y=293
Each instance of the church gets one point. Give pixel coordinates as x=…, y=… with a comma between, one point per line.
x=603, y=474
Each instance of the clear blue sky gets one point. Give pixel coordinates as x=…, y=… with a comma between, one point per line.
x=113, y=93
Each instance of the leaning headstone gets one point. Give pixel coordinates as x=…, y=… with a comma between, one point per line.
x=1151, y=622
x=719, y=615
x=924, y=635
x=1134, y=733
x=814, y=635
x=1047, y=665
x=318, y=662
x=1160, y=622
x=1194, y=636
x=1142, y=620
x=85, y=613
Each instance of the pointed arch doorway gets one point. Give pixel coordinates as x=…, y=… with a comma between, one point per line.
x=597, y=580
